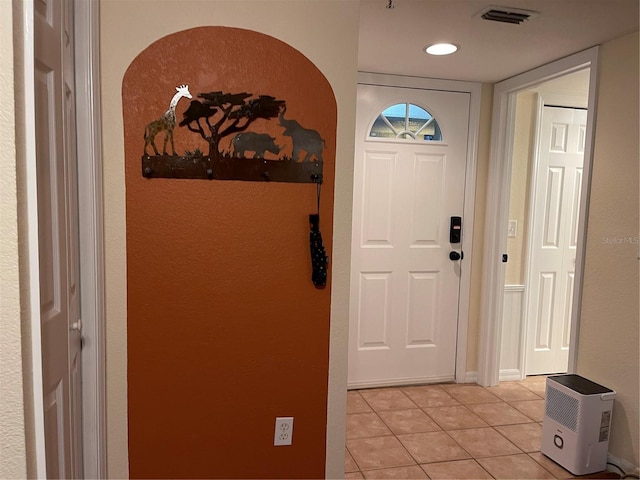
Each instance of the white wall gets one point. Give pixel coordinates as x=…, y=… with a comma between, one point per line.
x=326, y=32
x=525, y=121
x=12, y=432
x=482, y=174
x=608, y=351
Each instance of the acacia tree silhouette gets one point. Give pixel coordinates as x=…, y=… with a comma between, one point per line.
x=237, y=110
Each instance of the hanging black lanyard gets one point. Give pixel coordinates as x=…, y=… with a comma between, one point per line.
x=319, y=259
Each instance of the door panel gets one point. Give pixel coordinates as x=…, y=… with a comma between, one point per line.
x=544, y=321
x=54, y=432
x=374, y=310
x=556, y=200
x=423, y=297
x=568, y=307
x=553, y=206
x=404, y=297
x=378, y=170
x=425, y=221
x=575, y=208
x=56, y=167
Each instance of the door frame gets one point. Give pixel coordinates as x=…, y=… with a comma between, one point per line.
x=475, y=91
x=91, y=241
x=497, y=206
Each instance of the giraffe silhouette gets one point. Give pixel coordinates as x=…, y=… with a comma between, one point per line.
x=165, y=123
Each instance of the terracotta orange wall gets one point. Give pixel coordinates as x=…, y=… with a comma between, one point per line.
x=225, y=329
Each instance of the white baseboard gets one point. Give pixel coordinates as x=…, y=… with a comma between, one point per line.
x=510, y=375
x=470, y=377
x=627, y=467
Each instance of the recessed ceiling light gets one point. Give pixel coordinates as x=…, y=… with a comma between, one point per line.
x=441, y=49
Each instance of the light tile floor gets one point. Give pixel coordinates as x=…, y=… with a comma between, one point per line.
x=449, y=431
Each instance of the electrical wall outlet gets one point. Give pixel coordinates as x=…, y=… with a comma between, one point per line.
x=284, y=431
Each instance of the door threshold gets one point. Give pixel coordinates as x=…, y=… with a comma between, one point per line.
x=400, y=382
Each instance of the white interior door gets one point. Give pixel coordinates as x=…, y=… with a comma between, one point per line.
x=556, y=208
x=58, y=236
x=404, y=286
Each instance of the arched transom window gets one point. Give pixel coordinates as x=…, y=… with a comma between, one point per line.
x=406, y=121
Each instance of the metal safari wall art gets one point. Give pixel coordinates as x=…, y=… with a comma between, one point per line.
x=217, y=115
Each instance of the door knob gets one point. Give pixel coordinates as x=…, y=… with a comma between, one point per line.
x=76, y=326
x=455, y=255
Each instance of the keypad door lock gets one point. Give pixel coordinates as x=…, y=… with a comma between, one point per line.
x=455, y=230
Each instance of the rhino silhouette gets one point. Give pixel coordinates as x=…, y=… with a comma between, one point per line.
x=304, y=139
x=258, y=143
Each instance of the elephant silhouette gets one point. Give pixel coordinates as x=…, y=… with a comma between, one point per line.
x=304, y=139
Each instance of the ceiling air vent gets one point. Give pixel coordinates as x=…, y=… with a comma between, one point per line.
x=507, y=15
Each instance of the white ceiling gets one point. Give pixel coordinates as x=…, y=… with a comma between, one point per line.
x=392, y=40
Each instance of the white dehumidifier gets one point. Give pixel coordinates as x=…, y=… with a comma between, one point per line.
x=575, y=428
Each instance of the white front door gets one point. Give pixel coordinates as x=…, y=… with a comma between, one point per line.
x=58, y=236
x=404, y=286
x=556, y=203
